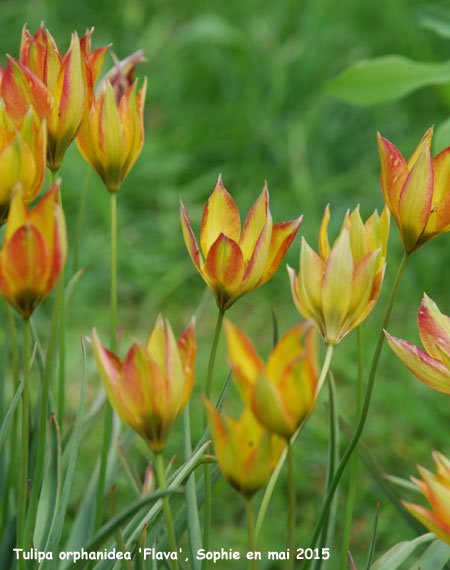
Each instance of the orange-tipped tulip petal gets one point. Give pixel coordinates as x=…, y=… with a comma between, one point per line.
x=233, y=262
x=339, y=288
x=416, y=192
x=152, y=385
x=34, y=251
x=121, y=75
x=22, y=157
x=112, y=136
x=59, y=88
x=246, y=453
x=282, y=393
x=433, y=366
x=436, y=489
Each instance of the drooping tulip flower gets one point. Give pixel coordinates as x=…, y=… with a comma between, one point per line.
x=416, y=192
x=233, y=262
x=59, y=88
x=436, y=489
x=34, y=250
x=112, y=136
x=339, y=288
x=433, y=366
x=22, y=158
x=282, y=392
x=121, y=75
x=246, y=452
x=152, y=385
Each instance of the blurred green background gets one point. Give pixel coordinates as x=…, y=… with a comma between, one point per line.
x=238, y=88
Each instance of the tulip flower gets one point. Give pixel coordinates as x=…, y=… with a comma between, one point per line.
x=235, y=262
x=60, y=88
x=436, y=489
x=34, y=250
x=416, y=192
x=339, y=288
x=121, y=76
x=22, y=158
x=112, y=136
x=152, y=385
x=282, y=393
x=246, y=452
x=433, y=366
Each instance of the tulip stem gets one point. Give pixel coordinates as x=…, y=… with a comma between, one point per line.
x=25, y=436
x=107, y=429
x=161, y=479
x=207, y=470
x=274, y=477
x=253, y=564
x=48, y=369
x=354, y=460
x=365, y=408
x=292, y=506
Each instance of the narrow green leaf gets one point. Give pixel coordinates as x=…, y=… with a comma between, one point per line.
x=373, y=538
x=70, y=287
x=402, y=483
x=55, y=535
x=275, y=327
x=386, y=78
x=435, y=556
x=51, y=486
x=437, y=19
x=393, y=558
x=9, y=414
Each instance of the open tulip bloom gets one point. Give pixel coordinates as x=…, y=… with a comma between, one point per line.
x=232, y=261
x=34, y=250
x=246, y=452
x=152, y=385
x=436, y=489
x=416, y=192
x=433, y=366
x=339, y=288
x=282, y=392
x=60, y=88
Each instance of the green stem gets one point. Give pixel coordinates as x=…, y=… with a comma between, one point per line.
x=48, y=370
x=107, y=428
x=62, y=356
x=80, y=220
x=291, y=516
x=161, y=479
x=113, y=338
x=354, y=460
x=362, y=419
x=274, y=477
x=207, y=468
x=11, y=480
x=22, y=541
x=253, y=563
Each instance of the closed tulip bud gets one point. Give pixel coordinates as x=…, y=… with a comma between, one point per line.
x=246, y=452
x=416, y=192
x=152, y=385
x=436, y=489
x=112, y=136
x=233, y=262
x=433, y=366
x=59, y=88
x=282, y=392
x=22, y=158
x=34, y=250
x=339, y=288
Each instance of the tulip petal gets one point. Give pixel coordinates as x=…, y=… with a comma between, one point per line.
x=310, y=281
x=429, y=521
x=257, y=220
x=337, y=286
x=324, y=245
x=224, y=268
x=425, y=143
x=270, y=409
x=428, y=370
x=189, y=239
x=416, y=200
x=394, y=172
x=287, y=349
x=358, y=235
x=282, y=237
x=434, y=328
x=438, y=496
x=220, y=216
x=111, y=140
x=255, y=268
x=187, y=348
